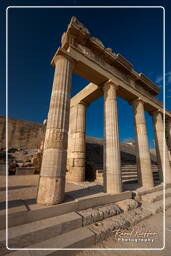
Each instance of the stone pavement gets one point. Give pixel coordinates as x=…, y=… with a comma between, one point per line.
x=153, y=224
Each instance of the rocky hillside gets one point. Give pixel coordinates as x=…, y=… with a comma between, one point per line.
x=25, y=138
x=21, y=134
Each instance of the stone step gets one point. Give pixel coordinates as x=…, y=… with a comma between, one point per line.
x=130, y=180
x=38, y=212
x=156, y=196
x=93, y=215
x=38, y=231
x=129, y=173
x=129, y=176
x=129, y=170
x=135, y=167
x=87, y=236
x=107, y=227
x=78, y=238
x=157, y=206
x=142, y=192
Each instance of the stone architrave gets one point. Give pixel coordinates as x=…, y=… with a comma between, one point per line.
x=161, y=147
x=52, y=177
x=76, y=143
x=112, y=165
x=145, y=175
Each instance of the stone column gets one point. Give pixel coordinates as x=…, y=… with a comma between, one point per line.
x=168, y=136
x=145, y=175
x=52, y=177
x=112, y=165
x=161, y=147
x=77, y=143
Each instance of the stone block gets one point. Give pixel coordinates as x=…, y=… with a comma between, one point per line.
x=38, y=213
x=78, y=238
x=79, y=162
x=102, y=199
x=25, y=170
x=2, y=169
x=128, y=204
x=93, y=215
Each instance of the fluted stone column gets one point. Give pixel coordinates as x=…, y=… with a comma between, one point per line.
x=52, y=177
x=112, y=165
x=161, y=147
x=77, y=143
x=145, y=175
x=168, y=136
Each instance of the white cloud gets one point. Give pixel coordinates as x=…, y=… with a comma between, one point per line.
x=159, y=79
x=168, y=76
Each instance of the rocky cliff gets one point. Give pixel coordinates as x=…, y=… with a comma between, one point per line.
x=21, y=134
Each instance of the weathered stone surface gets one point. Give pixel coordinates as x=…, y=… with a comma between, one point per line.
x=53, y=169
x=105, y=228
x=112, y=164
x=25, y=171
x=21, y=134
x=143, y=155
x=93, y=215
x=128, y=204
x=161, y=147
x=37, y=231
x=76, y=144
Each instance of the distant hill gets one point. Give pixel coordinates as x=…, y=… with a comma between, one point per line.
x=21, y=134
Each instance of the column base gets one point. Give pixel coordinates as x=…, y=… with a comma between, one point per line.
x=75, y=174
x=110, y=185
x=51, y=190
x=147, y=183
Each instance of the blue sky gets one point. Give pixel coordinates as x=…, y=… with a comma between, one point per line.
x=34, y=35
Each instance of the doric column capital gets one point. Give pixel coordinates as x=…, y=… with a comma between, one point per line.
x=109, y=90
x=136, y=101
x=82, y=102
x=61, y=53
x=108, y=84
x=156, y=113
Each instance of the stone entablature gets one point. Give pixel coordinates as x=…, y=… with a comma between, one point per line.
x=92, y=92
x=78, y=37
x=131, y=92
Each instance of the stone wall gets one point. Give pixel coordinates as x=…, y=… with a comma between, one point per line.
x=21, y=134
x=28, y=135
x=94, y=155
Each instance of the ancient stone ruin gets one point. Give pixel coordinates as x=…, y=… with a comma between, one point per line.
x=110, y=75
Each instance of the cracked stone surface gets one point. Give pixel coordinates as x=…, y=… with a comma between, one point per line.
x=93, y=215
x=107, y=227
